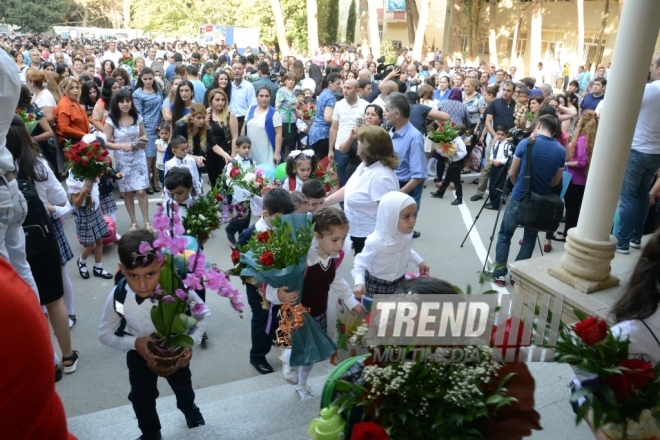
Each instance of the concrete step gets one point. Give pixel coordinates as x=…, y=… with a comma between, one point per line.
x=262, y=407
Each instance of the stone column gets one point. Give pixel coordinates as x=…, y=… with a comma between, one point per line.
x=590, y=247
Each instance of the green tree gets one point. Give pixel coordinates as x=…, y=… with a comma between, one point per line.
x=333, y=20
x=34, y=15
x=322, y=13
x=350, y=23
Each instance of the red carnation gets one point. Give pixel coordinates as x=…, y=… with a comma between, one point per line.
x=263, y=237
x=267, y=259
x=369, y=431
x=639, y=375
x=218, y=197
x=235, y=256
x=305, y=117
x=234, y=173
x=319, y=173
x=453, y=124
x=591, y=330
x=328, y=188
x=30, y=117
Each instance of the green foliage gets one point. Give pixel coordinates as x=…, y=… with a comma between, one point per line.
x=388, y=51
x=350, y=23
x=333, y=20
x=34, y=15
x=322, y=14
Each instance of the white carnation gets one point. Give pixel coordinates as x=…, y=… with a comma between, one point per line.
x=249, y=177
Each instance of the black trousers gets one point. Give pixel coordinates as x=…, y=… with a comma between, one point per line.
x=214, y=166
x=144, y=391
x=555, y=190
x=262, y=341
x=241, y=120
x=320, y=148
x=496, y=185
x=289, y=137
x=239, y=226
x=453, y=175
x=358, y=244
x=572, y=203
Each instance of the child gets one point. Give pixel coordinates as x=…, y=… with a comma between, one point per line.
x=323, y=273
x=90, y=226
x=383, y=262
x=454, y=167
x=300, y=96
x=179, y=186
x=315, y=192
x=241, y=199
x=299, y=167
x=141, y=275
x=300, y=202
x=308, y=93
x=107, y=201
x=161, y=147
x=209, y=71
x=276, y=202
x=521, y=107
x=499, y=157
x=179, y=147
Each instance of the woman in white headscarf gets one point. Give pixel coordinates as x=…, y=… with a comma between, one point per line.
x=383, y=262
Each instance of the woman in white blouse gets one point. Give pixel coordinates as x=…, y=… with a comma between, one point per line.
x=373, y=178
x=41, y=97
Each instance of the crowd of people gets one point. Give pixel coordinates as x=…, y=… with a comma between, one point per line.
x=158, y=108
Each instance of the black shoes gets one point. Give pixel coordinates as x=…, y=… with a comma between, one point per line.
x=457, y=201
x=194, y=418
x=438, y=194
x=154, y=436
x=491, y=206
x=476, y=197
x=263, y=367
x=416, y=234
x=82, y=268
x=58, y=373
x=101, y=273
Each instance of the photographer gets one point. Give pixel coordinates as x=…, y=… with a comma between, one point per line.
x=547, y=166
x=268, y=79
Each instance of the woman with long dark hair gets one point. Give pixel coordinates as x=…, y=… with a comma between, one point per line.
x=107, y=67
x=102, y=106
x=222, y=134
x=45, y=260
x=148, y=102
x=221, y=80
x=319, y=132
x=183, y=100
x=89, y=96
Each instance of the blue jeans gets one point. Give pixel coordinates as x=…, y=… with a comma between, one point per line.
x=416, y=193
x=341, y=159
x=634, y=199
x=507, y=228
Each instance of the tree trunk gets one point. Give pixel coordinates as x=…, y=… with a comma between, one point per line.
x=535, y=37
x=603, y=25
x=516, y=30
x=580, y=43
x=85, y=16
x=492, y=31
x=374, y=34
x=127, y=14
x=418, y=47
x=456, y=28
x=364, y=27
x=279, y=24
x=410, y=20
x=312, y=26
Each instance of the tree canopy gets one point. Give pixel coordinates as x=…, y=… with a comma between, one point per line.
x=34, y=15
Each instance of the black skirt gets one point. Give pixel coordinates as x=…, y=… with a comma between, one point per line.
x=47, y=272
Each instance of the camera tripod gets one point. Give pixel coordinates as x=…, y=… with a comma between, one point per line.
x=505, y=191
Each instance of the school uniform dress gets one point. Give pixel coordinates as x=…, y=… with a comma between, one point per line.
x=132, y=163
x=90, y=226
x=106, y=199
x=143, y=381
x=292, y=183
x=502, y=151
x=187, y=162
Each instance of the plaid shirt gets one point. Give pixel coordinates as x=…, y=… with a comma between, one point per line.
x=519, y=112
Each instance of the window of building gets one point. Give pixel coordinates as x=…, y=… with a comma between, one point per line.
x=591, y=47
x=521, y=44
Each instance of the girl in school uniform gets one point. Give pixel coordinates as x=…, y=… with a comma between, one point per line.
x=383, y=262
x=299, y=167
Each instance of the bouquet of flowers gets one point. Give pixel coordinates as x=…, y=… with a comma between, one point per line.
x=204, y=216
x=306, y=112
x=86, y=161
x=253, y=180
x=444, y=137
x=622, y=394
x=128, y=64
x=29, y=119
x=278, y=257
x=326, y=172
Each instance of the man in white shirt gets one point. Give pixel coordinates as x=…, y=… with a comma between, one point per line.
x=57, y=49
x=151, y=57
x=386, y=89
x=112, y=53
x=243, y=95
x=35, y=59
x=12, y=202
x=344, y=118
x=643, y=163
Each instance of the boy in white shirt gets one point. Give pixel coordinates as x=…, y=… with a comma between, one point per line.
x=161, y=147
x=499, y=158
x=179, y=148
x=241, y=199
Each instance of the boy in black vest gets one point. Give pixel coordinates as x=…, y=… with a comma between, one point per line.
x=240, y=200
x=276, y=202
x=126, y=325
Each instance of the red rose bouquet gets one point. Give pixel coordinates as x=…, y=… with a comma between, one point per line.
x=85, y=160
x=29, y=119
x=622, y=394
x=326, y=172
x=306, y=112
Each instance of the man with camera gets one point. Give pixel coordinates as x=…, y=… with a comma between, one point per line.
x=548, y=158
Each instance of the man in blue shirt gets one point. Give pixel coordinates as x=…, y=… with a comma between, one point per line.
x=243, y=95
x=169, y=73
x=409, y=146
x=547, y=166
x=590, y=100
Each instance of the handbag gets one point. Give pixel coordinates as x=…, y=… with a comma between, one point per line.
x=538, y=212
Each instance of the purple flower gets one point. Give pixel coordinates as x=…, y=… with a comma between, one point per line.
x=192, y=282
x=168, y=299
x=145, y=247
x=198, y=308
x=197, y=261
x=160, y=258
x=215, y=280
x=181, y=294
x=164, y=241
x=181, y=243
x=259, y=172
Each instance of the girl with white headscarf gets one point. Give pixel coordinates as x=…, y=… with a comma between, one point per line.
x=383, y=263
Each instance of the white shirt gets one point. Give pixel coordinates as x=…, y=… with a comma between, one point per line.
x=299, y=184
x=338, y=285
x=51, y=191
x=67, y=59
x=10, y=89
x=75, y=186
x=380, y=102
x=503, y=151
x=240, y=195
x=461, y=150
x=189, y=163
x=347, y=117
x=363, y=192
x=642, y=342
x=44, y=99
x=114, y=56
x=388, y=267
x=647, y=132
x=138, y=321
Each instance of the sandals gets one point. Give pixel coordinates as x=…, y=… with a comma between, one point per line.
x=148, y=227
x=82, y=269
x=150, y=190
x=157, y=189
x=134, y=227
x=68, y=369
x=563, y=239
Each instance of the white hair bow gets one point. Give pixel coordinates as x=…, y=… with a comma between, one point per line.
x=307, y=153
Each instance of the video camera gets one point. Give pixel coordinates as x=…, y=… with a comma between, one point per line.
x=517, y=135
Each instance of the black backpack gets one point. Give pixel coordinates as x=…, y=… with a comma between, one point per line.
x=36, y=226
